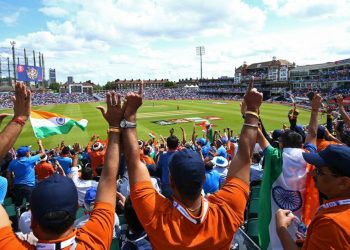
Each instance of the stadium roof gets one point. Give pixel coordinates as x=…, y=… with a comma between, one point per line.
x=323, y=65
x=268, y=64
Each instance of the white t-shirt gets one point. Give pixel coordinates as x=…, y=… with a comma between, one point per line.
x=24, y=222
x=81, y=185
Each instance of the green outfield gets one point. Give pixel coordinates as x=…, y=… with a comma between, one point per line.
x=274, y=115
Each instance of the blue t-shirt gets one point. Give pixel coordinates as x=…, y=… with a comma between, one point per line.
x=212, y=181
x=3, y=189
x=163, y=165
x=23, y=168
x=66, y=163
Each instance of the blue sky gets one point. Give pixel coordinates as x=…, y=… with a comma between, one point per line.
x=104, y=40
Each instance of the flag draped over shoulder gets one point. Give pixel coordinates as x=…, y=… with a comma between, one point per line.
x=46, y=124
x=287, y=184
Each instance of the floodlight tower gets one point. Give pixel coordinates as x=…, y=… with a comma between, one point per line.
x=200, y=51
x=13, y=43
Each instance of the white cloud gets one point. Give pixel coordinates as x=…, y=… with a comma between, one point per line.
x=105, y=40
x=53, y=11
x=11, y=19
x=306, y=10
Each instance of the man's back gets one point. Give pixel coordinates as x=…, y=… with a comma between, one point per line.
x=163, y=166
x=170, y=226
x=66, y=163
x=23, y=168
x=96, y=234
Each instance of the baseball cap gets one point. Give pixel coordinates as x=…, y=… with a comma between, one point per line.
x=321, y=132
x=202, y=141
x=90, y=195
x=276, y=134
x=335, y=157
x=187, y=170
x=222, y=151
x=23, y=150
x=54, y=194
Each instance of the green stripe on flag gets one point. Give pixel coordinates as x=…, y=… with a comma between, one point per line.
x=272, y=170
x=43, y=132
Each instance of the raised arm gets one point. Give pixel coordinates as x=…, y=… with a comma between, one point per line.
x=21, y=107
x=312, y=129
x=240, y=165
x=41, y=147
x=136, y=169
x=106, y=191
x=183, y=135
x=344, y=115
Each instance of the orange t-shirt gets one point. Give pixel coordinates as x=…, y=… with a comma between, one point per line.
x=322, y=144
x=44, y=170
x=97, y=158
x=148, y=160
x=167, y=228
x=95, y=234
x=329, y=229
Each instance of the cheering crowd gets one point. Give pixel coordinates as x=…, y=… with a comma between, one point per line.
x=179, y=193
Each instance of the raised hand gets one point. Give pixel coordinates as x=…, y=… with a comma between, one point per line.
x=340, y=100
x=253, y=98
x=76, y=148
x=115, y=110
x=316, y=102
x=133, y=102
x=22, y=102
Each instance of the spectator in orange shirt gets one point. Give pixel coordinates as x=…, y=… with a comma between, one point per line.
x=43, y=169
x=96, y=151
x=191, y=221
x=330, y=228
x=146, y=158
x=54, y=202
x=324, y=138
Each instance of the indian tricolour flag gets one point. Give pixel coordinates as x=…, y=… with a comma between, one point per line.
x=287, y=184
x=46, y=124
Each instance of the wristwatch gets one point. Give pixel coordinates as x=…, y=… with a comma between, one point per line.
x=125, y=124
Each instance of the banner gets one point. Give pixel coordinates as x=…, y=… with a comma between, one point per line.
x=27, y=73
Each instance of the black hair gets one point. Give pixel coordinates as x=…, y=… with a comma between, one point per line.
x=57, y=222
x=86, y=173
x=190, y=191
x=99, y=170
x=208, y=165
x=65, y=150
x=256, y=157
x=146, y=150
x=131, y=217
x=291, y=139
x=172, y=142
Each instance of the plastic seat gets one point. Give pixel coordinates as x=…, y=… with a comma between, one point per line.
x=253, y=230
x=115, y=244
x=255, y=193
x=253, y=208
x=80, y=213
x=8, y=201
x=11, y=210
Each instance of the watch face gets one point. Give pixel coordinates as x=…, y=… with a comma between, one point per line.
x=123, y=123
